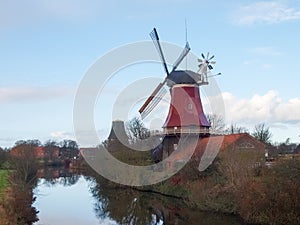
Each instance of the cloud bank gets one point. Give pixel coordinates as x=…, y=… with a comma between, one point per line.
x=262, y=108
x=34, y=94
x=267, y=12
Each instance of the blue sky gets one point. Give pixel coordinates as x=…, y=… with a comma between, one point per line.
x=46, y=47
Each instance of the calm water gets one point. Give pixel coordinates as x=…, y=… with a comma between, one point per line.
x=64, y=203
x=73, y=199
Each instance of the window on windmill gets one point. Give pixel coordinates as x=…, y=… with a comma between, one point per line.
x=246, y=145
x=175, y=147
x=190, y=106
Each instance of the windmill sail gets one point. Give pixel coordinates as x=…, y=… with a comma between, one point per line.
x=153, y=100
x=182, y=56
x=155, y=38
x=160, y=91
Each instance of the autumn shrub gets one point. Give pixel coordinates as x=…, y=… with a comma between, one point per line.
x=16, y=204
x=16, y=207
x=209, y=190
x=274, y=198
x=23, y=161
x=219, y=184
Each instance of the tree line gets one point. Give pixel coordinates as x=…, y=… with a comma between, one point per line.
x=136, y=130
x=261, y=132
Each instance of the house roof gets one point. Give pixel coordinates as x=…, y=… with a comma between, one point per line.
x=297, y=150
x=233, y=138
x=227, y=140
x=213, y=144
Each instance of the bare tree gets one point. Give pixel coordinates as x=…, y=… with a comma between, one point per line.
x=217, y=124
x=3, y=156
x=286, y=147
x=137, y=129
x=23, y=160
x=262, y=133
x=239, y=165
x=68, y=149
x=32, y=143
x=51, y=149
x=235, y=129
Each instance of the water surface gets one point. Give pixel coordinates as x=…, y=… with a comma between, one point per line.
x=73, y=199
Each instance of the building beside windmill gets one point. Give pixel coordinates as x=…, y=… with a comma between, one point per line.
x=118, y=132
x=242, y=142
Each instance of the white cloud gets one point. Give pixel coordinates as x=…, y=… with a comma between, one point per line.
x=259, y=52
x=257, y=63
x=33, y=94
x=266, y=66
x=86, y=137
x=289, y=110
x=249, y=62
x=62, y=135
x=268, y=12
x=262, y=108
x=7, y=141
x=265, y=51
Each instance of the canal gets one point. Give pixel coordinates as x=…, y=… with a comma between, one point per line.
x=65, y=198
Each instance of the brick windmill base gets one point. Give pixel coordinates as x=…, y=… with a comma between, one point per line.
x=185, y=119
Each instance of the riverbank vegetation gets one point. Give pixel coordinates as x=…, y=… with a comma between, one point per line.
x=237, y=182
x=3, y=180
x=19, y=168
x=260, y=195
x=3, y=172
x=19, y=178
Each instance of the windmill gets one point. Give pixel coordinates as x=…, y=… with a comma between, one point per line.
x=185, y=114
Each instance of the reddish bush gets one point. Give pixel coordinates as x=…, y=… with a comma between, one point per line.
x=273, y=198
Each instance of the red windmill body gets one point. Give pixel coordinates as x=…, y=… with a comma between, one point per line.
x=186, y=115
x=185, y=112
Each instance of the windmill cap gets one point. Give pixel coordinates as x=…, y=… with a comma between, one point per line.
x=182, y=77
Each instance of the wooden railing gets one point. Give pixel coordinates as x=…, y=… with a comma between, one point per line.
x=181, y=130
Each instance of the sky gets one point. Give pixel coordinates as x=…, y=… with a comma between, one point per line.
x=47, y=47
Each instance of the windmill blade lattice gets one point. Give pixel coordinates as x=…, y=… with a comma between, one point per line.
x=182, y=56
x=153, y=100
x=160, y=90
x=155, y=38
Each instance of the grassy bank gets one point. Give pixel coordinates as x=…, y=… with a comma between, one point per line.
x=3, y=180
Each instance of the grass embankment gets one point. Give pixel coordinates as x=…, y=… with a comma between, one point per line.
x=3, y=179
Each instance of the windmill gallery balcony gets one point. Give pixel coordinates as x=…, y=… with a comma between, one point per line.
x=182, y=130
